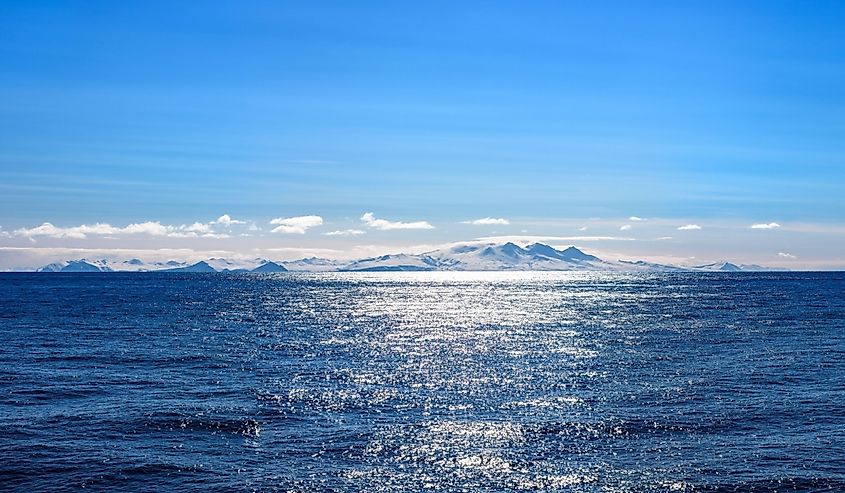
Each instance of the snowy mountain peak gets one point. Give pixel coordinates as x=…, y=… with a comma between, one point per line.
x=313, y=264
x=201, y=266
x=398, y=262
x=576, y=254
x=512, y=249
x=510, y=256
x=719, y=266
x=80, y=265
x=268, y=266
x=568, y=255
x=472, y=256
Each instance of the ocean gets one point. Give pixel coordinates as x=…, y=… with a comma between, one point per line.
x=491, y=382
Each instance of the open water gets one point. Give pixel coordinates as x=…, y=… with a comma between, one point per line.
x=488, y=382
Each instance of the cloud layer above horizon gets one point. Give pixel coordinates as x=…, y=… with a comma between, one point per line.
x=642, y=239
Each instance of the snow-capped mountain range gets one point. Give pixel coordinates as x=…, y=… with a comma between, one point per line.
x=461, y=257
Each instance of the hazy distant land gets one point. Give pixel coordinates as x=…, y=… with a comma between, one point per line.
x=462, y=257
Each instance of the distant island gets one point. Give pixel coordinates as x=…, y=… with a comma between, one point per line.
x=462, y=257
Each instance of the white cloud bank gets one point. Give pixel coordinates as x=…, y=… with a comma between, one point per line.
x=383, y=224
x=625, y=227
x=153, y=228
x=765, y=226
x=489, y=221
x=635, y=218
x=295, y=225
x=226, y=220
x=689, y=227
x=200, y=228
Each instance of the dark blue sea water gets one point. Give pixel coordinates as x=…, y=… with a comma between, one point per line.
x=422, y=382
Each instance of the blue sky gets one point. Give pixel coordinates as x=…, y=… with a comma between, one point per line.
x=556, y=116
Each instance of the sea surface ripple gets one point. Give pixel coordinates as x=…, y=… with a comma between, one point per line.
x=583, y=382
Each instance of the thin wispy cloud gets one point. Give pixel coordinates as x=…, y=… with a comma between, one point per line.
x=765, y=226
x=635, y=218
x=345, y=232
x=787, y=255
x=383, y=224
x=536, y=238
x=489, y=221
x=625, y=227
x=689, y=227
x=295, y=225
